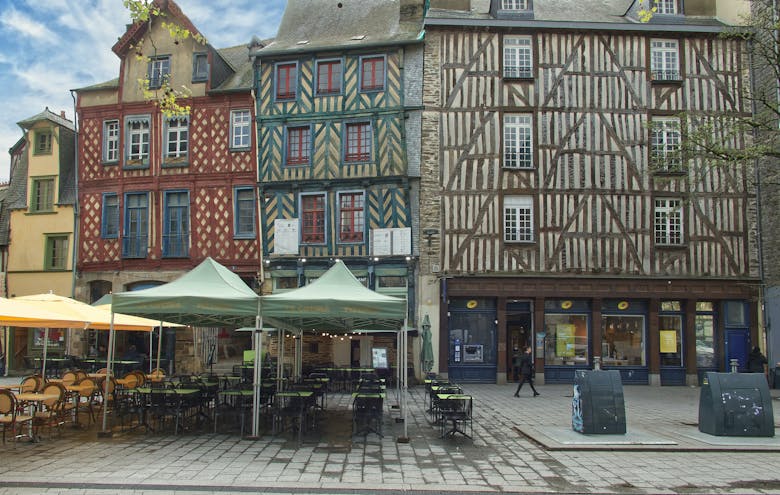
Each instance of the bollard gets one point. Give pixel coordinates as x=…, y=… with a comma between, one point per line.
x=734, y=363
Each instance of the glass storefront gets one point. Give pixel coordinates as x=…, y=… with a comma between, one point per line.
x=472, y=340
x=670, y=323
x=623, y=340
x=705, y=335
x=566, y=339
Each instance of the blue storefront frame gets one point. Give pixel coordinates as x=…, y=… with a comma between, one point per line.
x=473, y=340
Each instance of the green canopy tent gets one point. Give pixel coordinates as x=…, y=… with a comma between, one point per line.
x=337, y=301
x=209, y=295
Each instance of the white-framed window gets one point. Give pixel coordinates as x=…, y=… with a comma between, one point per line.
x=514, y=4
x=137, y=131
x=518, y=142
x=665, y=140
x=240, y=129
x=664, y=60
x=158, y=71
x=177, y=139
x=110, y=141
x=518, y=219
x=665, y=6
x=668, y=222
x=518, y=57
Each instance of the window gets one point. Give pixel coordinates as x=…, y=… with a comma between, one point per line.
x=518, y=57
x=42, y=195
x=137, y=131
x=668, y=222
x=176, y=230
x=111, y=141
x=623, y=339
x=244, y=212
x=42, y=142
x=286, y=81
x=666, y=6
x=313, y=219
x=109, y=225
x=298, y=145
x=240, y=127
x=514, y=4
x=351, y=217
x=518, y=146
x=566, y=341
x=200, y=67
x=159, y=68
x=665, y=145
x=670, y=325
x=56, y=252
x=136, y=229
x=328, y=77
x=358, y=143
x=705, y=335
x=518, y=219
x=664, y=60
x=176, y=140
x=372, y=73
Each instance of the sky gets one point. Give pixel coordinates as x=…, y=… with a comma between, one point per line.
x=48, y=47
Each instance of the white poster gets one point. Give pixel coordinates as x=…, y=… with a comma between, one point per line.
x=381, y=242
x=286, y=236
x=402, y=241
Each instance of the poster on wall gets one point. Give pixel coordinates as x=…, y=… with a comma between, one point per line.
x=564, y=344
x=286, y=236
x=379, y=357
x=668, y=340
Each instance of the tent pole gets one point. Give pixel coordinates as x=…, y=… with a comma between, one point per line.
x=258, y=375
x=6, y=348
x=405, y=337
x=159, y=347
x=109, y=366
x=45, y=351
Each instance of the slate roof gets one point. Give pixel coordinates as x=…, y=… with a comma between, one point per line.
x=239, y=59
x=112, y=84
x=312, y=25
x=46, y=115
x=567, y=14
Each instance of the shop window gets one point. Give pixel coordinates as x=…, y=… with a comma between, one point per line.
x=623, y=340
x=566, y=341
x=670, y=338
x=705, y=335
x=285, y=283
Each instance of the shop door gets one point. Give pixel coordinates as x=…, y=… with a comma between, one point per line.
x=518, y=334
x=737, y=347
x=472, y=340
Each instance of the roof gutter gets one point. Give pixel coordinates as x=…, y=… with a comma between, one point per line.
x=333, y=48
x=568, y=25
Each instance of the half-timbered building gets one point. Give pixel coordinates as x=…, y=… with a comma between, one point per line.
x=561, y=210
x=338, y=118
x=160, y=191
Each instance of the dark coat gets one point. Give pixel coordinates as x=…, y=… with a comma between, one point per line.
x=526, y=365
x=756, y=362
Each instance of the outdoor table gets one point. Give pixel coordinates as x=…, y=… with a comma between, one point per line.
x=31, y=401
x=12, y=387
x=147, y=405
x=286, y=400
x=455, y=408
x=367, y=413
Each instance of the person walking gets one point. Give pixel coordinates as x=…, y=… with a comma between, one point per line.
x=756, y=361
x=526, y=372
x=515, y=364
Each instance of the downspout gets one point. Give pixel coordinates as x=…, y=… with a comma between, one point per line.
x=74, y=256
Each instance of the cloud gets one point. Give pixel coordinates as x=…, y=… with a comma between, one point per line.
x=19, y=22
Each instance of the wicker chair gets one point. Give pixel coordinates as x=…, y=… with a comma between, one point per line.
x=10, y=419
x=52, y=413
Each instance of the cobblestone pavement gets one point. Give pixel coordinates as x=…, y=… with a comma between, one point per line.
x=500, y=458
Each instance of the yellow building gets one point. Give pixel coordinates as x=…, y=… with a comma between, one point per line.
x=40, y=202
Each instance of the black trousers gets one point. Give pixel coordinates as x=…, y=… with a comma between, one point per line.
x=523, y=379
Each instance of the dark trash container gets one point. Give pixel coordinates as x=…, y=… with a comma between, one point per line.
x=598, y=406
x=736, y=405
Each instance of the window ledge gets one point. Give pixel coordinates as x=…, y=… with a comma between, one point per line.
x=519, y=169
x=176, y=164
x=245, y=237
x=140, y=166
x=240, y=150
x=109, y=237
x=47, y=212
x=671, y=247
x=110, y=164
x=666, y=82
x=515, y=79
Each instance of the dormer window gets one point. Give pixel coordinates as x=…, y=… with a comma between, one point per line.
x=515, y=4
x=665, y=6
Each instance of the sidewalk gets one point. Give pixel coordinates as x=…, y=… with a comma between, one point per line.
x=520, y=445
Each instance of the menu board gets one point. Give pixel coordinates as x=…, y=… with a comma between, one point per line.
x=379, y=357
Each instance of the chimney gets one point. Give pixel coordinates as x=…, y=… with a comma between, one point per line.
x=62, y=114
